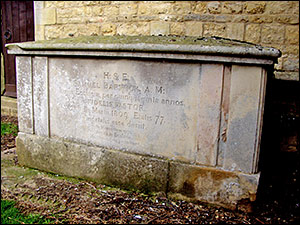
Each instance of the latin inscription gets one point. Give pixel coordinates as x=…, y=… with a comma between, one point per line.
x=114, y=101
x=125, y=105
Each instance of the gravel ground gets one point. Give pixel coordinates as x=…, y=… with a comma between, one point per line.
x=69, y=200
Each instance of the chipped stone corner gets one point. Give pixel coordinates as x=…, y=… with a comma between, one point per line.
x=232, y=190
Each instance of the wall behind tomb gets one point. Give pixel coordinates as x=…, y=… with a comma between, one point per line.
x=268, y=23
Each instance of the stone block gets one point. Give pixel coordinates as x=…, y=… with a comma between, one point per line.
x=278, y=65
x=72, y=20
x=287, y=75
x=95, y=11
x=292, y=34
x=72, y=4
x=181, y=8
x=48, y=16
x=108, y=29
x=41, y=4
x=252, y=33
x=236, y=31
x=145, y=9
x=54, y=4
x=177, y=29
x=280, y=7
x=64, y=12
x=292, y=50
x=287, y=19
x=159, y=28
x=129, y=9
x=161, y=8
x=111, y=10
x=5, y=111
x=254, y=7
x=92, y=3
x=8, y=102
x=133, y=29
x=232, y=7
x=214, y=7
x=205, y=184
x=215, y=29
x=9, y=106
x=272, y=34
x=67, y=30
x=92, y=163
x=240, y=19
x=200, y=7
x=291, y=63
x=295, y=8
x=56, y=31
x=193, y=28
x=262, y=19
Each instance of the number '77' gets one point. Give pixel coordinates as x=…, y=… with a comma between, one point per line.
x=159, y=119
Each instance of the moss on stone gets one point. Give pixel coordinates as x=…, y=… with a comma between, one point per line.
x=175, y=44
x=179, y=40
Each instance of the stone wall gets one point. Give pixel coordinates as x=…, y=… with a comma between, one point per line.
x=268, y=23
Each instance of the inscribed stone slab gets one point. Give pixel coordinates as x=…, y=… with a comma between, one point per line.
x=147, y=107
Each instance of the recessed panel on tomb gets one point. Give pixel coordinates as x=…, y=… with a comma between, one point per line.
x=144, y=106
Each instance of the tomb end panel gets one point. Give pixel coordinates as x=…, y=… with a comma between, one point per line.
x=240, y=148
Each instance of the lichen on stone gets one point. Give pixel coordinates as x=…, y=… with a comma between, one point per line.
x=170, y=44
x=122, y=39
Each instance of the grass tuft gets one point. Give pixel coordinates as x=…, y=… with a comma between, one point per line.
x=9, y=128
x=11, y=215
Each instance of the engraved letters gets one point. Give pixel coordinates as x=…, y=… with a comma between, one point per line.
x=121, y=103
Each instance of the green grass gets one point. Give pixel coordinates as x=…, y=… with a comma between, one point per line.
x=9, y=128
x=11, y=215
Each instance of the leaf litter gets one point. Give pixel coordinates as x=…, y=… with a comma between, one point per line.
x=75, y=201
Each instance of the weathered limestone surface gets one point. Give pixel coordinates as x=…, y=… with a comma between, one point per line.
x=244, y=109
x=211, y=185
x=268, y=23
x=9, y=106
x=24, y=90
x=126, y=104
x=40, y=95
x=185, y=119
x=93, y=163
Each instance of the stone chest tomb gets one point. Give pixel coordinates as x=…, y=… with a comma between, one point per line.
x=182, y=115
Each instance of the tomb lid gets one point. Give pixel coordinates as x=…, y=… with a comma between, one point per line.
x=170, y=44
